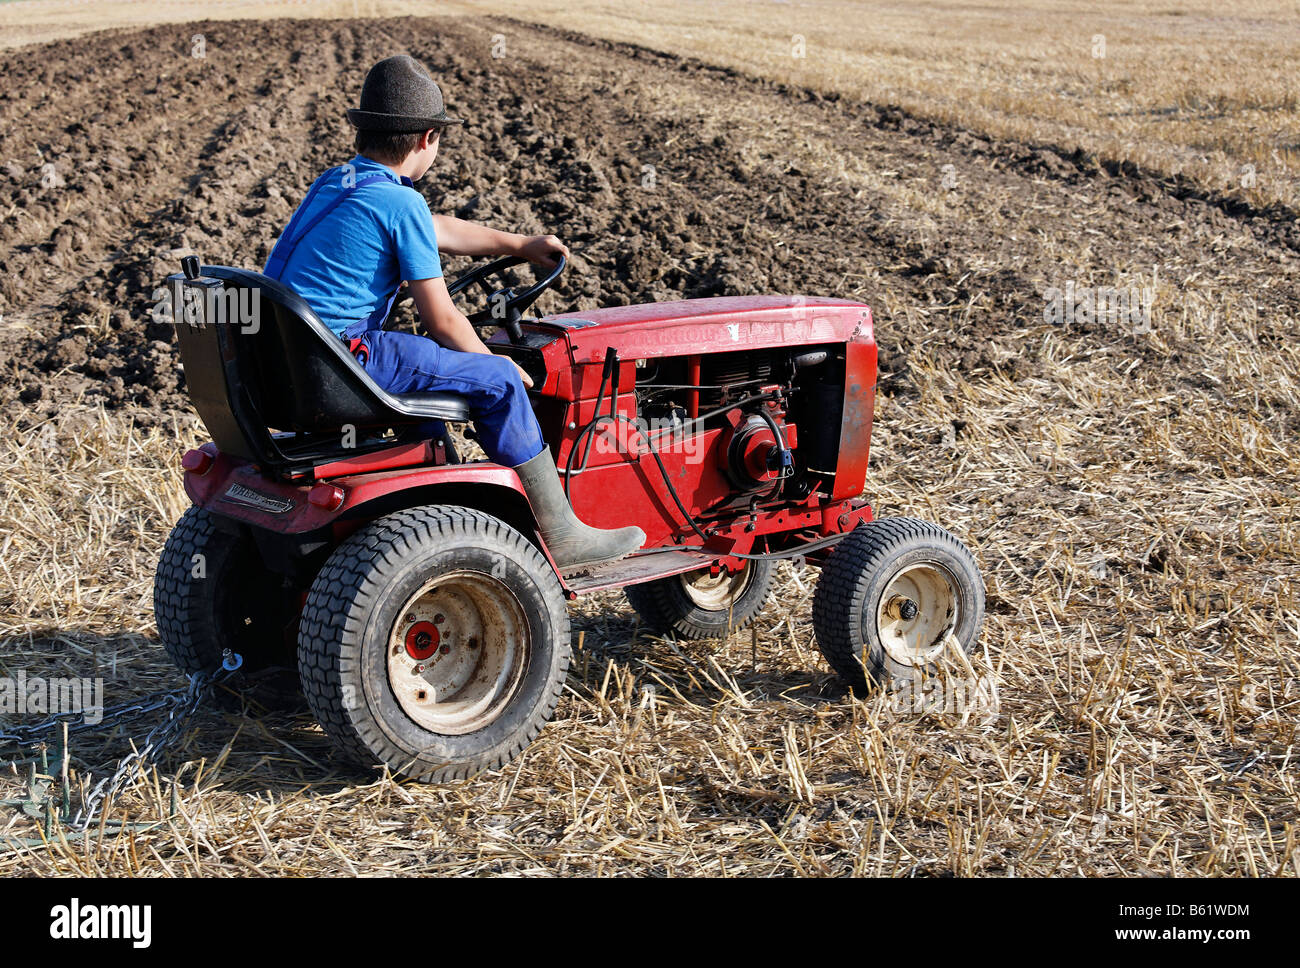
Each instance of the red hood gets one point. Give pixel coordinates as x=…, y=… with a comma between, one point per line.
x=711, y=325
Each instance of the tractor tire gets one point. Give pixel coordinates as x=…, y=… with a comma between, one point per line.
x=889, y=597
x=434, y=641
x=211, y=592
x=695, y=605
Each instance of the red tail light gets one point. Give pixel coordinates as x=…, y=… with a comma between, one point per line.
x=197, y=462
x=327, y=496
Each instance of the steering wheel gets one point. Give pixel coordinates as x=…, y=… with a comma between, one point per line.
x=505, y=305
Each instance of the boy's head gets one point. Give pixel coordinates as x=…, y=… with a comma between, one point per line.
x=401, y=114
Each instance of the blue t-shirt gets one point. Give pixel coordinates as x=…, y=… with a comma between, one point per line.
x=350, y=263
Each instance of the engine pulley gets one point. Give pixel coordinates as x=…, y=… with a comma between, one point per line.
x=754, y=456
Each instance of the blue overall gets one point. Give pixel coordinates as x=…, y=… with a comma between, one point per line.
x=405, y=362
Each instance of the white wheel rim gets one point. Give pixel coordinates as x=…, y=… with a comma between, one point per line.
x=716, y=593
x=457, y=652
x=916, y=613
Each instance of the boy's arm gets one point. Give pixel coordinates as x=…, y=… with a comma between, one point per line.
x=458, y=237
x=445, y=323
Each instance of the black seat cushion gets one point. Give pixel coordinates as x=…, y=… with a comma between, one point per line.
x=436, y=406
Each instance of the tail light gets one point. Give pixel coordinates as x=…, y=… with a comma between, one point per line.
x=197, y=462
x=327, y=496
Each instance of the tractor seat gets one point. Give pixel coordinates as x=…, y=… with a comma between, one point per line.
x=274, y=385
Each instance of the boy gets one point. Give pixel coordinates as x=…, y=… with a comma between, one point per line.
x=363, y=229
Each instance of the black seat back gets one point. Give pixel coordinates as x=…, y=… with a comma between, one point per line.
x=258, y=359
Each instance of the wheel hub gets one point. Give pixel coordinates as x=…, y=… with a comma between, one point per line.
x=457, y=652
x=716, y=593
x=422, y=640
x=902, y=608
x=917, y=612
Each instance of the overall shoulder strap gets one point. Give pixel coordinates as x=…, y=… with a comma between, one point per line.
x=292, y=234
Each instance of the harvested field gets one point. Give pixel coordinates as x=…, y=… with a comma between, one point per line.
x=1128, y=485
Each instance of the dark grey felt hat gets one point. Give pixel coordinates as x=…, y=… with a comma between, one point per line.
x=399, y=95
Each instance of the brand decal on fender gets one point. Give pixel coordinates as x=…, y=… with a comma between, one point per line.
x=239, y=494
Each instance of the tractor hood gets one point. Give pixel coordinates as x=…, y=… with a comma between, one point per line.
x=713, y=325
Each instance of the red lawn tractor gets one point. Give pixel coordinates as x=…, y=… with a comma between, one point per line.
x=331, y=529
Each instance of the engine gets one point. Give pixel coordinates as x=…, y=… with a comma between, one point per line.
x=779, y=411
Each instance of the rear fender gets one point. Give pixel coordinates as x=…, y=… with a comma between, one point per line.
x=236, y=489
x=285, y=522
x=499, y=500
x=490, y=488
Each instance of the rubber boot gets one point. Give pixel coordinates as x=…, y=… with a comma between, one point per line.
x=572, y=544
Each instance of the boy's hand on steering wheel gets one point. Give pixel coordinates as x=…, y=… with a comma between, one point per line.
x=542, y=250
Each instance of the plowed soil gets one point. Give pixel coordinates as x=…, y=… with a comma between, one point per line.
x=120, y=152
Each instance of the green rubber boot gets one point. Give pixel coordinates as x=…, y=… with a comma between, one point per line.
x=574, y=546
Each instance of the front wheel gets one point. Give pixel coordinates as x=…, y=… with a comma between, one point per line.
x=891, y=598
x=698, y=605
x=434, y=641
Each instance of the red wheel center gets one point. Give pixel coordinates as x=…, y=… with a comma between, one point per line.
x=422, y=640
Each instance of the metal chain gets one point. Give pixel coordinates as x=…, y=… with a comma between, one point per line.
x=109, y=717
x=179, y=704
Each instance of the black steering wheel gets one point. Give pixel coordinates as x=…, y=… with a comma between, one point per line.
x=505, y=305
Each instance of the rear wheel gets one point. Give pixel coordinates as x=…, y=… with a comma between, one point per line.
x=698, y=605
x=892, y=597
x=434, y=641
x=212, y=592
